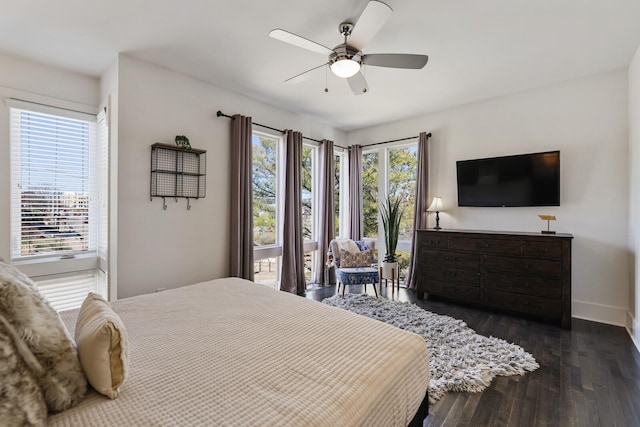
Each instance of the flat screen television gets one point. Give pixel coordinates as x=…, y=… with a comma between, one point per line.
x=521, y=180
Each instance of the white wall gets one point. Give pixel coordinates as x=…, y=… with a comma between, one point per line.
x=587, y=121
x=36, y=83
x=633, y=322
x=176, y=247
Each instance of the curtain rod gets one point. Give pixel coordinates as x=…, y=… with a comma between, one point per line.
x=221, y=114
x=394, y=140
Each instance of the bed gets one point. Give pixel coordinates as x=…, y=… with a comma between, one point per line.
x=232, y=352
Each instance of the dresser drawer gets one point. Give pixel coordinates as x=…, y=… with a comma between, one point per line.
x=494, y=246
x=433, y=240
x=542, y=249
x=540, y=306
x=458, y=259
x=530, y=285
x=526, y=266
x=453, y=274
x=459, y=292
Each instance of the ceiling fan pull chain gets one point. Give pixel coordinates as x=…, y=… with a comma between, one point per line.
x=326, y=79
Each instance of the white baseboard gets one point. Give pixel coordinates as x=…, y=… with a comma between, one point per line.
x=633, y=328
x=610, y=315
x=599, y=313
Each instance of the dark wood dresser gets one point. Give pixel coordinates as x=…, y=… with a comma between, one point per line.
x=527, y=273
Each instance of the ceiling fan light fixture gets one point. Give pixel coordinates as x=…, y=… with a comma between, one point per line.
x=345, y=68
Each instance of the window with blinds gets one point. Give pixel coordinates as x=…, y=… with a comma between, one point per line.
x=58, y=205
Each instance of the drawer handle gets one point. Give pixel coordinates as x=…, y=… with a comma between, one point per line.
x=545, y=250
x=486, y=245
x=448, y=258
x=526, y=302
x=514, y=265
x=526, y=285
x=436, y=242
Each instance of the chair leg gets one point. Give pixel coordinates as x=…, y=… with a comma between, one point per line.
x=374, y=290
x=343, y=286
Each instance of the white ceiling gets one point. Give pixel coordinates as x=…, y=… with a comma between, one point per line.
x=477, y=49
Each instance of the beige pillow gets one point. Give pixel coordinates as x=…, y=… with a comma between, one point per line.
x=350, y=259
x=102, y=345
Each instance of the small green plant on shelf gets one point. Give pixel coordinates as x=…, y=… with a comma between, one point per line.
x=183, y=142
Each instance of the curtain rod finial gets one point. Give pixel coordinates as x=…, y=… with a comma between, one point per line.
x=219, y=113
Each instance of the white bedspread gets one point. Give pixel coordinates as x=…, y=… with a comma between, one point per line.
x=232, y=352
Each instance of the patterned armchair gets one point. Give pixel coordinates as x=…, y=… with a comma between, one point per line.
x=353, y=260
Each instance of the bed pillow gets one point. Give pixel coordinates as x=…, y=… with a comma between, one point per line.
x=37, y=324
x=102, y=344
x=21, y=401
x=350, y=259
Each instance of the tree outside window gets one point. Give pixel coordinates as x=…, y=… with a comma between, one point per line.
x=370, y=194
x=264, y=190
x=402, y=184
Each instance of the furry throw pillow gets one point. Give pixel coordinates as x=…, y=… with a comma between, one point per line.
x=21, y=402
x=57, y=367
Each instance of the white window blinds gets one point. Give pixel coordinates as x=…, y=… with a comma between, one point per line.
x=59, y=200
x=53, y=184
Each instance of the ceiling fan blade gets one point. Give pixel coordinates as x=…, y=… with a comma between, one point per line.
x=396, y=60
x=358, y=84
x=296, y=40
x=373, y=17
x=299, y=78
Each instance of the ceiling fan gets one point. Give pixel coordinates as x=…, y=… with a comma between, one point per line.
x=346, y=59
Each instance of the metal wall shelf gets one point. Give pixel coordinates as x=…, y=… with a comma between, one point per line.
x=177, y=172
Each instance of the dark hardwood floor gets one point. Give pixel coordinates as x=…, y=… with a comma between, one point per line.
x=588, y=376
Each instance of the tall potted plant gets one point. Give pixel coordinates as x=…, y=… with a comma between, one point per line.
x=391, y=211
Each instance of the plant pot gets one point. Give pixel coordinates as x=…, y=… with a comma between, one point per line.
x=387, y=268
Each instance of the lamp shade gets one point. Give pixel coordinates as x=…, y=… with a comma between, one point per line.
x=345, y=68
x=436, y=205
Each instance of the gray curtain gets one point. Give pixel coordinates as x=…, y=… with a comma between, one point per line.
x=355, y=192
x=292, y=279
x=421, y=203
x=241, y=245
x=327, y=220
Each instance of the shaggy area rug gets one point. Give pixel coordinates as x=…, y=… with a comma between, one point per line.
x=460, y=359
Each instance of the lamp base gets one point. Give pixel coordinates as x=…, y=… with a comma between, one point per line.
x=437, y=227
x=548, y=232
